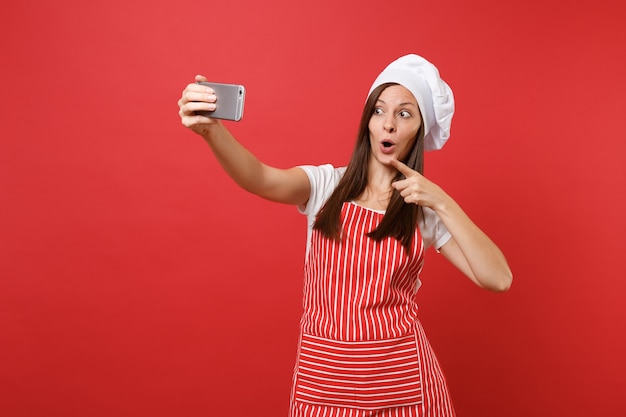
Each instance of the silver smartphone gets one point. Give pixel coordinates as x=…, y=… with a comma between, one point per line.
x=230, y=99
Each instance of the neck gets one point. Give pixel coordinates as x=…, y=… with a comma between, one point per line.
x=378, y=190
x=380, y=177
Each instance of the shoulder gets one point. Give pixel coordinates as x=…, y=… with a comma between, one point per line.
x=323, y=175
x=324, y=180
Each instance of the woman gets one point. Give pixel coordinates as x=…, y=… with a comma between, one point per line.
x=362, y=350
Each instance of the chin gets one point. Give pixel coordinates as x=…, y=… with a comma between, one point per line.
x=386, y=160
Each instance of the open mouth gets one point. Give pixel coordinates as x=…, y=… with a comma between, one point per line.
x=387, y=147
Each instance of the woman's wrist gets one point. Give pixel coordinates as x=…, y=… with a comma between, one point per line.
x=446, y=206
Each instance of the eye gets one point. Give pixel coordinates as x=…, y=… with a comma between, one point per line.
x=378, y=110
x=404, y=114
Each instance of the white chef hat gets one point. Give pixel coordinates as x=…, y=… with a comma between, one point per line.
x=433, y=95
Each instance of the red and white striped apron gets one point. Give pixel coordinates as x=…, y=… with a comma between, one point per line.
x=362, y=349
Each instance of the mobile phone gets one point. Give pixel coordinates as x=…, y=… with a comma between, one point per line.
x=229, y=104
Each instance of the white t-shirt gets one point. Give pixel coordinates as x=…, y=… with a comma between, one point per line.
x=324, y=180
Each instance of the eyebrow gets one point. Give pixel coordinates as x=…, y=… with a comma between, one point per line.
x=401, y=104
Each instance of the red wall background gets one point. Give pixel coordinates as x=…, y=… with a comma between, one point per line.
x=137, y=280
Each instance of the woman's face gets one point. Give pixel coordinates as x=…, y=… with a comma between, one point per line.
x=393, y=126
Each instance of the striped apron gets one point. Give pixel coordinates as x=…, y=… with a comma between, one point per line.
x=362, y=350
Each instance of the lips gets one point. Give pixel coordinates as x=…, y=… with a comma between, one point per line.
x=387, y=146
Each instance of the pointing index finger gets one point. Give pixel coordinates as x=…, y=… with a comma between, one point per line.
x=404, y=170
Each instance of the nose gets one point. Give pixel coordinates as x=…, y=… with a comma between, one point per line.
x=389, y=124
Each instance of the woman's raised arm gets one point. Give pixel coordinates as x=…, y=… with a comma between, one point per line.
x=289, y=186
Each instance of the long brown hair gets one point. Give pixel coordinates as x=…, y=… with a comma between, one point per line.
x=400, y=219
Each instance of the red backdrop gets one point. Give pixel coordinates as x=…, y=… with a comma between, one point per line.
x=138, y=280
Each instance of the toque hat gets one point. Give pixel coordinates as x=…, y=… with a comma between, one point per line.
x=433, y=95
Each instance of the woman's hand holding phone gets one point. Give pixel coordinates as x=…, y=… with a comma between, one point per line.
x=197, y=98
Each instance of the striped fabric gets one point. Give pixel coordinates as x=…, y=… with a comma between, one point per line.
x=365, y=375
x=362, y=350
x=360, y=289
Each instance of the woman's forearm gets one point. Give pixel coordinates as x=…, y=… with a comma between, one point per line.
x=237, y=161
x=485, y=260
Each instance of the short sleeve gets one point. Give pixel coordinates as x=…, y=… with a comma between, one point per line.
x=434, y=232
x=324, y=180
